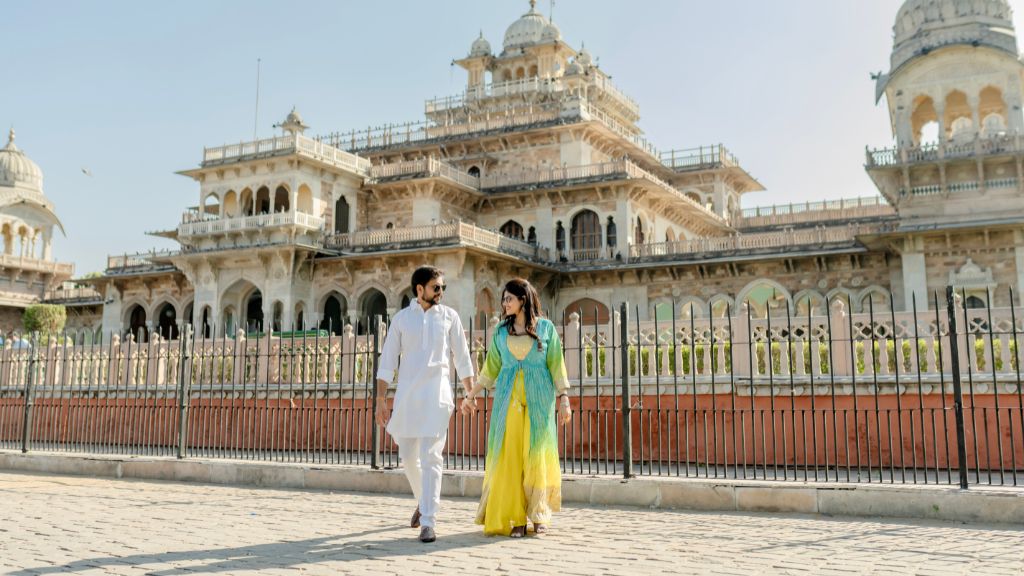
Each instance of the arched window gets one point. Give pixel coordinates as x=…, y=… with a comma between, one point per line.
x=924, y=121
x=512, y=229
x=974, y=302
x=559, y=237
x=137, y=324
x=167, y=322
x=591, y=311
x=335, y=311
x=247, y=202
x=639, y=231
x=957, y=107
x=474, y=171
x=254, y=312
x=992, y=111
x=533, y=71
x=281, y=199
x=304, y=200
x=586, y=231
x=278, y=315
x=204, y=323
x=372, y=304
x=263, y=200
x=611, y=233
x=230, y=207
x=341, y=216
x=531, y=237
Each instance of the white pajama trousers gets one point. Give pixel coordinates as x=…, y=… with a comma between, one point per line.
x=423, y=462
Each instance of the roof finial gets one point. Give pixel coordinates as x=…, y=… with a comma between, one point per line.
x=10, y=136
x=533, y=5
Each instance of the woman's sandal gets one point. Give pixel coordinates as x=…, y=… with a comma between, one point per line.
x=518, y=532
x=540, y=528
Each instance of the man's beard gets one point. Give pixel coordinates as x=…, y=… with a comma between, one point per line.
x=431, y=302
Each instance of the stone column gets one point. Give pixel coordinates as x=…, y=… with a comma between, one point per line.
x=915, y=276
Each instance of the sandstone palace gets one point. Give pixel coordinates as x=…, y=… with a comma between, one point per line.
x=539, y=169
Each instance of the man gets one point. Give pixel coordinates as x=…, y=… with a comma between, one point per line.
x=419, y=342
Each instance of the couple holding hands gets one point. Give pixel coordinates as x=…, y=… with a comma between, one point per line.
x=524, y=370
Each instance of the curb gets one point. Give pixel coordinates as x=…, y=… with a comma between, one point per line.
x=931, y=502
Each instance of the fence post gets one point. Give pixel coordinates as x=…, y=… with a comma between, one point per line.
x=26, y=431
x=375, y=428
x=627, y=419
x=184, y=388
x=958, y=397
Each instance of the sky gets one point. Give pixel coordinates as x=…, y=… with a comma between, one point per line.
x=132, y=91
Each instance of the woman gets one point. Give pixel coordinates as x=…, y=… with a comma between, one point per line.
x=526, y=370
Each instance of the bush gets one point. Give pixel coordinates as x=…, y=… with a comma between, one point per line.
x=45, y=319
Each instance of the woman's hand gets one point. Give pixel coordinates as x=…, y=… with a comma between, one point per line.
x=468, y=405
x=564, y=412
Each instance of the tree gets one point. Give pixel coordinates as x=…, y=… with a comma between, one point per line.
x=46, y=319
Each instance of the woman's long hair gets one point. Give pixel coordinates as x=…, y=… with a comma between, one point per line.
x=522, y=289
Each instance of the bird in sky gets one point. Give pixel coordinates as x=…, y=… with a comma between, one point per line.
x=87, y=172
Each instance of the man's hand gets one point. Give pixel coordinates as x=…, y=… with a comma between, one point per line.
x=468, y=406
x=383, y=412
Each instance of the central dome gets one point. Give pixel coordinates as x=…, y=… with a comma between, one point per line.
x=924, y=25
x=17, y=169
x=526, y=31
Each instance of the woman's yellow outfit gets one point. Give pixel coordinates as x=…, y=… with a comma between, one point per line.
x=523, y=479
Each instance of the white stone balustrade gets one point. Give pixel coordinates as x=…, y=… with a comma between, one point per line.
x=244, y=223
x=293, y=143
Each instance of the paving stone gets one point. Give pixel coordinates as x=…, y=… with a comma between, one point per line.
x=64, y=524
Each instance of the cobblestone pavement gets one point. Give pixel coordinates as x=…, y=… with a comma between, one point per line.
x=63, y=524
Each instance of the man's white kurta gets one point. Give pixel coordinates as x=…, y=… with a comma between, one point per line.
x=424, y=341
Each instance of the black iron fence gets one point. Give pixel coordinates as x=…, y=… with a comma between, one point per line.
x=765, y=391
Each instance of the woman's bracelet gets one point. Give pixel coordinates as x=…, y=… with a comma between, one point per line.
x=566, y=396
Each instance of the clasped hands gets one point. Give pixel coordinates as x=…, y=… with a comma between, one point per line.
x=468, y=406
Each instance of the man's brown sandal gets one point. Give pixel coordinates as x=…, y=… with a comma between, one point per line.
x=415, y=522
x=518, y=532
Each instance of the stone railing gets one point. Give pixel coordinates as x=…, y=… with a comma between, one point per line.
x=262, y=221
x=137, y=262
x=556, y=174
x=700, y=158
x=72, y=295
x=959, y=187
x=631, y=134
x=842, y=209
x=298, y=144
x=596, y=83
x=413, y=133
x=423, y=167
x=36, y=265
x=460, y=233
x=750, y=242
x=979, y=146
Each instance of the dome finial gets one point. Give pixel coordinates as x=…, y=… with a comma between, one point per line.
x=533, y=5
x=10, y=136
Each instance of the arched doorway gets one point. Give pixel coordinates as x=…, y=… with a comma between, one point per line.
x=591, y=311
x=372, y=304
x=513, y=230
x=167, y=322
x=254, y=312
x=204, y=323
x=341, y=216
x=335, y=312
x=281, y=200
x=137, y=324
x=277, y=314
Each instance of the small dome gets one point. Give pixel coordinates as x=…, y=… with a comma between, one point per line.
x=924, y=25
x=292, y=123
x=480, y=47
x=584, y=58
x=550, y=34
x=526, y=31
x=16, y=169
x=573, y=68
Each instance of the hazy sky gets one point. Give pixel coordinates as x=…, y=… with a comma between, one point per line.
x=132, y=91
